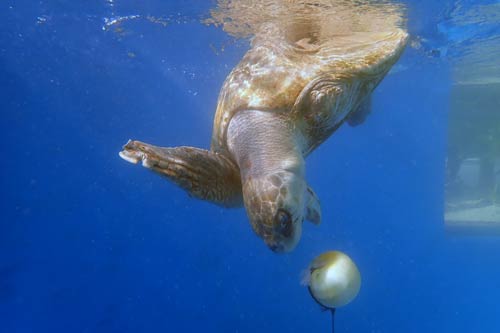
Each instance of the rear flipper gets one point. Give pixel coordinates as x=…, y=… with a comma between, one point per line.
x=359, y=116
x=203, y=174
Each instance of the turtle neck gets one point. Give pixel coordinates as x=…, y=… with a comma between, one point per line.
x=263, y=142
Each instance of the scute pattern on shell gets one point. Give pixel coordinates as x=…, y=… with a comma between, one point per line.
x=315, y=86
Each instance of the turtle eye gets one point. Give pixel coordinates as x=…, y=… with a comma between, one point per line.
x=283, y=222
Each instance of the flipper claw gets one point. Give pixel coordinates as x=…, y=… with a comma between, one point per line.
x=203, y=174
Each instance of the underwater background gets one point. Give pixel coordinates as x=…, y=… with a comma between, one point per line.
x=90, y=243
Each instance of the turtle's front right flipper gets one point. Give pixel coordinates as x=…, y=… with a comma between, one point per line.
x=203, y=174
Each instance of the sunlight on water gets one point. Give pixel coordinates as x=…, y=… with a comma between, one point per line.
x=115, y=21
x=331, y=18
x=472, y=33
x=472, y=47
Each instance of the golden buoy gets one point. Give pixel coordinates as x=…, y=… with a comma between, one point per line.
x=333, y=280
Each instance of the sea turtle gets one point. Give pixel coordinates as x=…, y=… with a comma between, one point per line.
x=288, y=94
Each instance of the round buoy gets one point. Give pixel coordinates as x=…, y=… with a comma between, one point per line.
x=334, y=279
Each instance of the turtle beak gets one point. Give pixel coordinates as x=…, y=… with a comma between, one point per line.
x=276, y=248
x=279, y=244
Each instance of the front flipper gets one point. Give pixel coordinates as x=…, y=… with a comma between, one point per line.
x=203, y=174
x=359, y=116
x=313, y=207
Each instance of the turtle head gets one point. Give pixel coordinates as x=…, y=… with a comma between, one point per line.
x=276, y=196
x=276, y=205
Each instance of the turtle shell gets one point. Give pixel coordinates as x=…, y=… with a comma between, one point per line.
x=315, y=83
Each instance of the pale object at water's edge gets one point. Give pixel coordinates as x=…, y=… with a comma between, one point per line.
x=473, y=161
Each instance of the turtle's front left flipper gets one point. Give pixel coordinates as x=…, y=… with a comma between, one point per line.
x=203, y=174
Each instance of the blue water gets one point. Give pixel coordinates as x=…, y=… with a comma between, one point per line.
x=90, y=243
